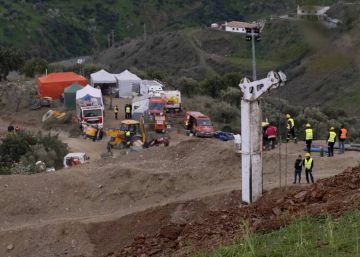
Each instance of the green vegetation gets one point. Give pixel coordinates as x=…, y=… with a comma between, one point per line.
x=10, y=59
x=319, y=236
x=20, y=151
x=34, y=67
x=57, y=29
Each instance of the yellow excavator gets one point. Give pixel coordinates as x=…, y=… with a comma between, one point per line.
x=117, y=136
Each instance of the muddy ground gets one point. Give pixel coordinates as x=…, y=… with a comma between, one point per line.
x=99, y=207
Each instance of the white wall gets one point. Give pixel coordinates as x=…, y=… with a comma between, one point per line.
x=235, y=30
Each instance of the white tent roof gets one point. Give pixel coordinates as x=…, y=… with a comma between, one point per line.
x=102, y=77
x=88, y=90
x=127, y=75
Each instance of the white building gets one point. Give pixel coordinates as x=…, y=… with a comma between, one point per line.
x=238, y=26
x=312, y=12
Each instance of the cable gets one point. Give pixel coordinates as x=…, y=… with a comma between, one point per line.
x=279, y=123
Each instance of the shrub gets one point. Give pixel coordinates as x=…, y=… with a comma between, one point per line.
x=20, y=151
x=34, y=66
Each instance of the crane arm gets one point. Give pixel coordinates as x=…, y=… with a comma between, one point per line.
x=252, y=90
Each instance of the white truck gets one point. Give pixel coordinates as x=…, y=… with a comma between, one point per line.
x=173, y=100
x=150, y=86
x=90, y=106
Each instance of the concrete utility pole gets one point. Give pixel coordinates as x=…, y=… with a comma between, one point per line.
x=251, y=134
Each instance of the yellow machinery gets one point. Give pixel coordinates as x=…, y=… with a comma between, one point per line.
x=136, y=128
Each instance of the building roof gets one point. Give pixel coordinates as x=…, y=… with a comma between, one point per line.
x=240, y=24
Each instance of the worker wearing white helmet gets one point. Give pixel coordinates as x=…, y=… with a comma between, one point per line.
x=308, y=137
x=290, y=128
x=309, y=165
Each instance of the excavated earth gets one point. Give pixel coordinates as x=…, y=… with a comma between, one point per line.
x=160, y=202
x=276, y=208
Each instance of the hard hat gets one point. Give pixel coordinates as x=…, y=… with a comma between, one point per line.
x=308, y=125
x=307, y=154
x=288, y=116
x=332, y=128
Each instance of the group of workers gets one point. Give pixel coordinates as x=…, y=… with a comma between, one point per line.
x=127, y=111
x=308, y=162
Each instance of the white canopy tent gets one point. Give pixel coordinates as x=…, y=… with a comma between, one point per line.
x=91, y=94
x=127, y=81
x=105, y=81
x=102, y=77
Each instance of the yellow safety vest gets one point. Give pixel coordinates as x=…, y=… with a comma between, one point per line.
x=127, y=134
x=332, y=137
x=291, y=122
x=308, y=163
x=116, y=110
x=309, y=134
x=127, y=110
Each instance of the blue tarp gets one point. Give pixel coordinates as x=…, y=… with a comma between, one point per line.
x=316, y=149
x=224, y=136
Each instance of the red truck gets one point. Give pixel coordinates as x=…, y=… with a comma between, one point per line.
x=157, y=109
x=198, y=124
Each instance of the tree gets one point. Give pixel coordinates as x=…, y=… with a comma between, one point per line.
x=34, y=66
x=10, y=59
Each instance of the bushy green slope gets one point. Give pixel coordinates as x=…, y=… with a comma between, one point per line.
x=320, y=237
x=57, y=29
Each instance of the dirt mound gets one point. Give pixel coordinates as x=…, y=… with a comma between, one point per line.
x=99, y=207
x=277, y=207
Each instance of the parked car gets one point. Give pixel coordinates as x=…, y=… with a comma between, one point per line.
x=198, y=124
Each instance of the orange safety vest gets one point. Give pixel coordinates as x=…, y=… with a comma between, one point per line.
x=343, y=134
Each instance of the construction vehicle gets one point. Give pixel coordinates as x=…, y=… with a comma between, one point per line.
x=139, y=135
x=152, y=106
x=198, y=124
x=89, y=106
x=173, y=100
x=41, y=102
x=117, y=136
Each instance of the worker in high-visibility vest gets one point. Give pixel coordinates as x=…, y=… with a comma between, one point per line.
x=290, y=128
x=116, y=111
x=331, y=141
x=342, y=139
x=308, y=137
x=309, y=165
x=127, y=138
x=128, y=108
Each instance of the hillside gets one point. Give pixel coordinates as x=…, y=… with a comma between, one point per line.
x=201, y=52
x=322, y=64
x=57, y=29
